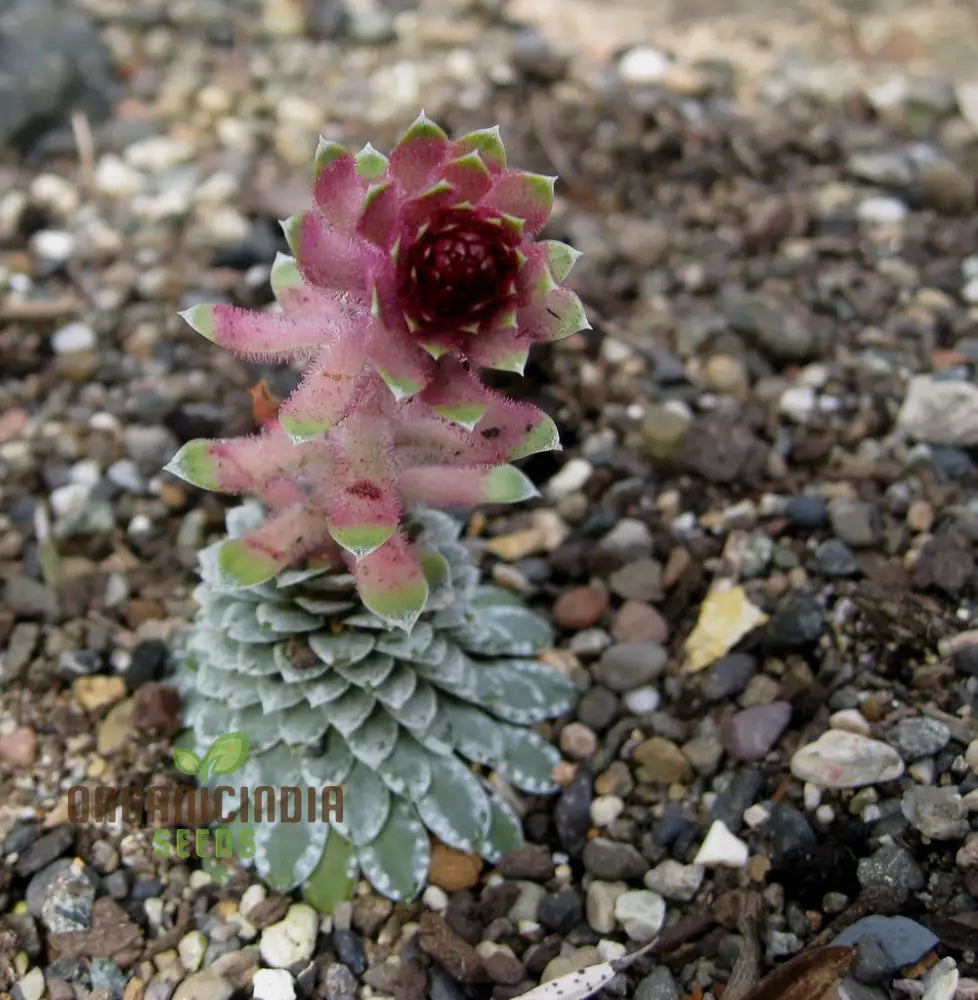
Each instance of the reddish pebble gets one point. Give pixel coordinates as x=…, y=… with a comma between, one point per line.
x=580, y=608
x=19, y=747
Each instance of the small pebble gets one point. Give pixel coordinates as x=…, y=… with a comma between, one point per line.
x=721, y=848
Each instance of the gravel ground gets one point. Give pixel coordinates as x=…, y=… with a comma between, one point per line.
x=758, y=544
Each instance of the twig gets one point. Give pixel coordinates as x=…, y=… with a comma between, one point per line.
x=39, y=310
x=84, y=143
x=558, y=156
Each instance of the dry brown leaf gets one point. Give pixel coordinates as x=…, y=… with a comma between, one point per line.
x=806, y=976
x=264, y=403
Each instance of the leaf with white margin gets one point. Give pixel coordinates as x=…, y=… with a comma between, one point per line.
x=366, y=803
x=527, y=760
x=286, y=854
x=505, y=830
x=407, y=771
x=374, y=741
x=455, y=808
x=396, y=861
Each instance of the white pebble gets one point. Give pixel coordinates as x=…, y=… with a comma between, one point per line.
x=435, y=899
x=756, y=815
x=273, y=984
x=852, y=720
x=825, y=814
x=86, y=472
x=191, y=950
x=570, y=479
x=798, y=402
x=54, y=245
x=643, y=65
x=812, y=796
x=68, y=500
x=31, y=985
x=140, y=525
x=611, y=951
x=641, y=912
x=605, y=809
x=881, y=211
x=292, y=939
x=721, y=848
x=116, y=179
x=970, y=292
x=73, y=337
x=643, y=700
x=54, y=192
x=941, y=981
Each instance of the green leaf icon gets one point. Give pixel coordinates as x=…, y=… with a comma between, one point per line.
x=186, y=760
x=226, y=754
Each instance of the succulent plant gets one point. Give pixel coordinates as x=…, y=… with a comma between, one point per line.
x=409, y=274
x=424, y=731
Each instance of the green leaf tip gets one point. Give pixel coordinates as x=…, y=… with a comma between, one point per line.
x=467, y=415
x=334, y=878
x=370, y=163
x=362, y=539
x=285, y=274
x=506, y=484
x=327, y=153
x=561, y=258
x=302, y=429
x=488, y=143
x=194, y=464
x=400, y=387
x=243, y=566
x=423, y=128
x=400, y=606
x=543, y=437
x=292, y=229
x=201, y=319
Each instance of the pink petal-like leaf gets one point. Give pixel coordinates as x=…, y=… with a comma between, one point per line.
x=259, y=336
x=338, y=192
x=391, y=582
x=260, y=554
x=456, y=393
x=404, y=366
x=502, y=346
x=559, y=315
x=508, y=430
x=364, y=509
x=329, y=386
x=469, y=176
x=418, y=154
x=378, y=221
x=235, y=465
x=328, y=257
x=465, y=486
x=529, y=197
x=420, y=209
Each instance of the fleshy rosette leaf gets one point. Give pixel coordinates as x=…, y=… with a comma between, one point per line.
x=412, y=727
